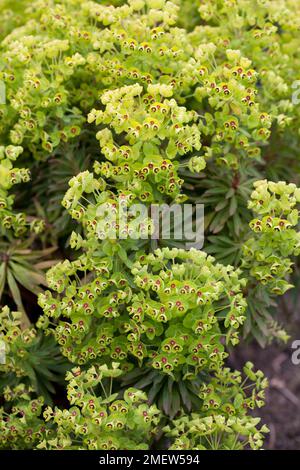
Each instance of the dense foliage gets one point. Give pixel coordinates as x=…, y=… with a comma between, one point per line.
x=124, y=342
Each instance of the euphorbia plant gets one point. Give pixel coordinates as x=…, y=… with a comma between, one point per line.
x=124, y=103
x=172, y=309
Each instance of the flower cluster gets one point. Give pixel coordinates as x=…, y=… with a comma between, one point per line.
x=28, y=358
x=267, y=33
x=45, y=105
x=98, y=419
x=9, y=176
x=169, y=314
x=109, y=105
x=223, y=414
x=157, y=129
x=21, y=425
x=267, y=255
x=192, y=295
x=17, y=343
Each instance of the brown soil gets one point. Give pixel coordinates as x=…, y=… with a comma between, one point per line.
x=282, y=410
